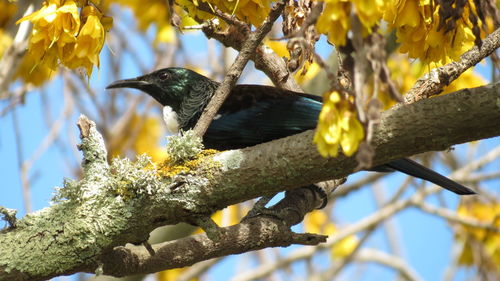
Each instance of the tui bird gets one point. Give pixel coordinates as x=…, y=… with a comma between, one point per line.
x=250, y=115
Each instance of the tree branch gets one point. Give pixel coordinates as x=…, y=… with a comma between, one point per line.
x=253, y=234
x=123, y=202
x=433, y=82
x=248, y=48
x=269, y=62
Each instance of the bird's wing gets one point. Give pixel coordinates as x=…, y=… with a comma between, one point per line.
x=261, y=118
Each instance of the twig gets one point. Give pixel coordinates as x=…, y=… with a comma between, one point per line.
x=267, y=61
x=247, y=50
x=9, y=215
x=338, y=267
x=49, y=139
x=196, y=270
x=229, y=19
x=453, y=217
x=20, y=162
x=390, y=225
x=394, y=262
x=433, y=82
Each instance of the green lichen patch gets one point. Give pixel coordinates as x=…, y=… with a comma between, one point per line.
x=169, y=168
x=184, y=147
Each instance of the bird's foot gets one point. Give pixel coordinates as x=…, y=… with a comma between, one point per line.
x=260, y=209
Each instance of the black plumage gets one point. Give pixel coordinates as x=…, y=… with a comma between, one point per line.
x=251, y=114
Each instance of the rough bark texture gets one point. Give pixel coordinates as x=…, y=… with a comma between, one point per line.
x=123, y=202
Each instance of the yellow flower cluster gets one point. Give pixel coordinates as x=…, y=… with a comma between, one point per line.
x=147, y=131
x=8, y=11
x=338, y=126
x=318, y=222
x=335, y=20
x=64, y=32
x=252, y=11
x=304, y=74
x=173, y=274
x=416, y=23
x=5, y=42
x=481, y=247
x=369, y=13
x=148, y=12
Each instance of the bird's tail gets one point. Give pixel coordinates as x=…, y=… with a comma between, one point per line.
x=413, y=168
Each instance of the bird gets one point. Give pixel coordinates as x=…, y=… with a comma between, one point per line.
x=250, y=115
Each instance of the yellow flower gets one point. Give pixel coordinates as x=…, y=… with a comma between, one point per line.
x=338, y=126
x=369, y=12
x=148, y=12
x=54, y=23
x=318, y=222
x=32, y=72
x=417, y=22
x=8, y=11
x=59, y=37
x=303, y=75
x=404, y=74
x=5, y=42
x=334, y=21
x=311, y=70
x=88, y=43
x=172, y=274
x=191, y=8
x=480, y=247
x=251, y=11
x=147, y=140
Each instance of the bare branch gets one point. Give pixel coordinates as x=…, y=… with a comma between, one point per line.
x=253, y=234
x=394, y=262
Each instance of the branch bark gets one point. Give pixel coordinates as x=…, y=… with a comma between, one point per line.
x=123, y=202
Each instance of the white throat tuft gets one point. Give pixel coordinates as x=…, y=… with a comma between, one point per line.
x=170, y=118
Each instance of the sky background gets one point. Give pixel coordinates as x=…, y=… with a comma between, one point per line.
x=426, y=240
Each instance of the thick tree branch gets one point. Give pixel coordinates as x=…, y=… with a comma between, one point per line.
x=123, y=202
x=253, y=234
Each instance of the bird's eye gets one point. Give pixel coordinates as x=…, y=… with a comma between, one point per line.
x=164, y=75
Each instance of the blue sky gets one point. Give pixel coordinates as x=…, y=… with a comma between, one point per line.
x=426, y=240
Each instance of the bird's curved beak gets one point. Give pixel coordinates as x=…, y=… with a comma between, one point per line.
x=135, y=83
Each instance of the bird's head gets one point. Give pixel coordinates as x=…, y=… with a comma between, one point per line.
x=169, y=86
